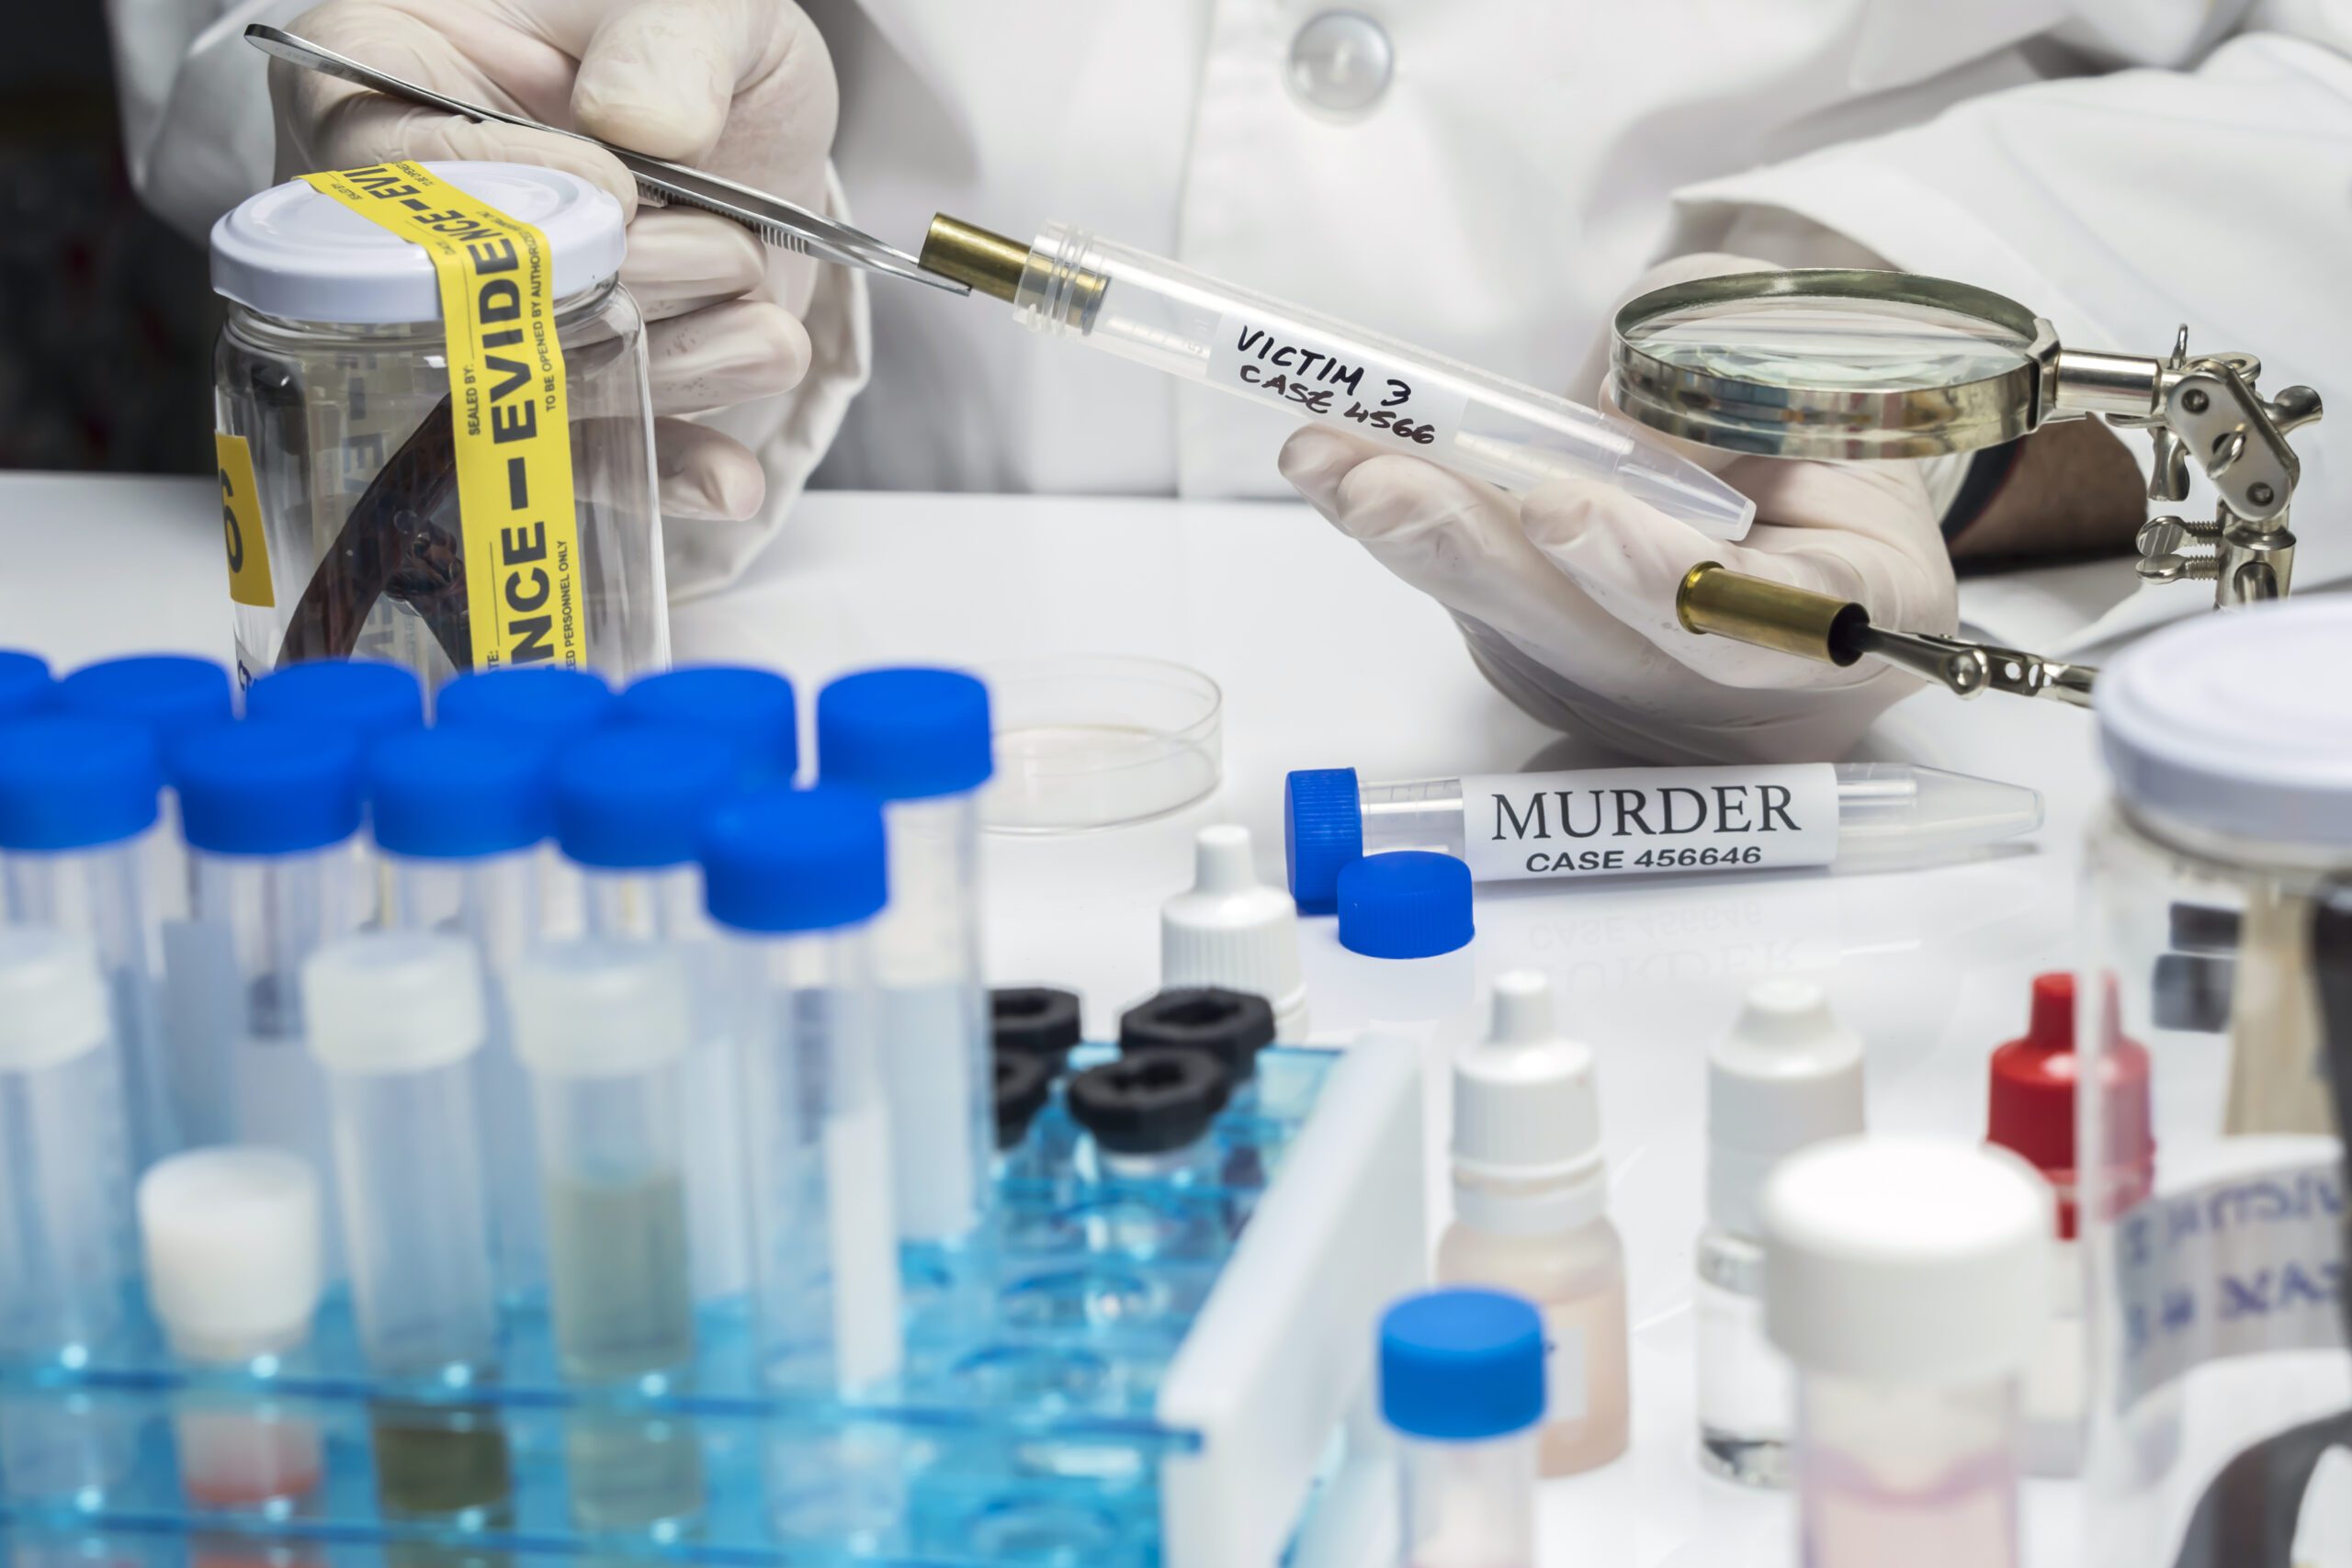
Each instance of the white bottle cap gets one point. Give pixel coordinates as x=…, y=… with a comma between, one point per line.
x=1527, y=1150
x=1907, y=1259
x=1233, y=931
x=231, y=1237
x=53, y=998
x=393, y=1002
x=598, y=1009
x=290, y=250
x=1788, y=1074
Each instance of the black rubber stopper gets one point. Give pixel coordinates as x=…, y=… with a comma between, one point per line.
x=1232, y=1026
x=1033, y=1021
x=1022, y=1084
x=1149, y=1101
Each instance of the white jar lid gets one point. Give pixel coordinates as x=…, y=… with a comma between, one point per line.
x=1906, y=1260
x=291, y=251
x=231, y=1237
x=2238, y=723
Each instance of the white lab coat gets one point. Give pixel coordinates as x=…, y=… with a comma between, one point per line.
x=2122, y=166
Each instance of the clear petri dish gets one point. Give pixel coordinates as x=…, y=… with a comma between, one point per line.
x=1089, y=741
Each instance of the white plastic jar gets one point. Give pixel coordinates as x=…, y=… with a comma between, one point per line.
x=330, y=398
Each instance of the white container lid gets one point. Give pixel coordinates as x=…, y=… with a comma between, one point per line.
x=1907, y=1259
x=1527, y=1116
x=393, y=1002
x=2237, y=724
x=1231, y=930
x=599, y=1009
x=1787, y=1074
x=291, y=251
x=53, y=998
x=232, y=1242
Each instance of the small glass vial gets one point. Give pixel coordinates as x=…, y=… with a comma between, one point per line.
x=331, y=397
x=1787, y=1075
x=1530, y=1203
x=232, y=1244
x=1148, y=1117
x=1907, y=1278
x=1462, y=1383
x=1232, y=1026
x=1400, y=958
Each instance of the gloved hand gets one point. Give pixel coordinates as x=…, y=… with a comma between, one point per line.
x=743, y=88
x=1565, y=594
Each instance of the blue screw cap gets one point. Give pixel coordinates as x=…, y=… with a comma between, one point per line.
x=267, y=787
x=366, y=699
x=1459, y=1366
x=754, y=711
x=457, y=793
x=25, y=685
x=905, y=734
x=173, y=695
x=68, y=781
x=796, y=859
x=1322, y=832
x=634, y=798
x=1405, y=904
x=540, y=703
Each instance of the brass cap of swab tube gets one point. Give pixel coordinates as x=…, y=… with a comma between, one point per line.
x=1770, y=614
x=990, y=263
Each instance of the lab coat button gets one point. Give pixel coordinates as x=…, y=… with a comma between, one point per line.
x=1340, y=62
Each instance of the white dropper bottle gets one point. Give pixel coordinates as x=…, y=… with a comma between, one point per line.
x=1531, y=1197
x=1231, y=930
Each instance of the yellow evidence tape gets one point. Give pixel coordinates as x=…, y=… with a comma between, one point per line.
x=507, y=408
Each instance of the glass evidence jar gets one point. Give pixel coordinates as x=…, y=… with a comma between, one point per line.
x=2213, y=1031
x=338, y=470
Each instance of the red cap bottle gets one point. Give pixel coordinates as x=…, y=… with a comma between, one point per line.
x=2032, y=1107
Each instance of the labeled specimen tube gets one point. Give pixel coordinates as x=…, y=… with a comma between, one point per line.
x=605, y=1028
x=64, y=1244
x=1071, y=283
x=270, y=811
x=1649, y=821
x=458, y=816
x=232, y=1242
x=78, y=810
x=919, y=740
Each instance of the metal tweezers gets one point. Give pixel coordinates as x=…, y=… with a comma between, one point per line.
x=772, y=218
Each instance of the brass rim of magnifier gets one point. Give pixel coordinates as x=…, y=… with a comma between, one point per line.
x=1846, y=423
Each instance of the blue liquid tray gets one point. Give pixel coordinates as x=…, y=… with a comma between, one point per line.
x=1070, y=1431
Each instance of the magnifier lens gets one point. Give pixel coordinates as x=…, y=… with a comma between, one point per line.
x=1832, y=344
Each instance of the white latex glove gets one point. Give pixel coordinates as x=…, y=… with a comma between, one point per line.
x=743, y=88
x=1565, y=594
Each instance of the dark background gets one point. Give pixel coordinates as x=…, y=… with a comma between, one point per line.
x=106, y=318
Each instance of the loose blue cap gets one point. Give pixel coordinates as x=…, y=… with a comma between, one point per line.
x=1405, y=904
x=905, y=734
x=25, y=685
x=635, y=799
x=366, y=699
x=1322, y=832
x=69, y=782
x=173, y=695
x=267, y=787
x=457, y=793
x=542, y=704
x=796, y=859
x=1459, y=1366
x=753, y=710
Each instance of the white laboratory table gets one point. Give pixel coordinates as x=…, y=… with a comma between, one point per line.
x=1325, y=660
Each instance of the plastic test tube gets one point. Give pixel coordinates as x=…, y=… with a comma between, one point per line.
x=545, y=706
x=1400, y=954
x=232, y=1240
x=270, y=811
x=458, y=817
x=1462, y=1383
x=64, y=1194
x=78, y=804
x=1648, y=821
x=1908, y=1278
x=172, y=696
x=1147, y=309
x=366, y=699
x=754, y=712
x=396, y=1018
x=919, y=740
x=629, y=807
